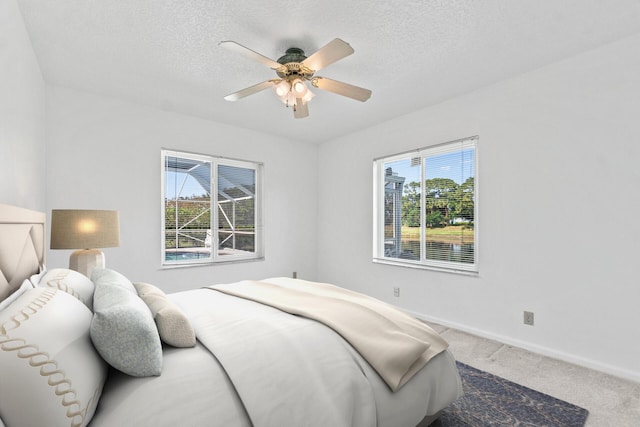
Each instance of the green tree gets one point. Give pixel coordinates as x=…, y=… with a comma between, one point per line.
x=444, y=200
x=466, y=200
x=411, y=205
x=440, y=196
x=434, y=220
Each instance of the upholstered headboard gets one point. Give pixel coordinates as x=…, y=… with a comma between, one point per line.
x=22, y=246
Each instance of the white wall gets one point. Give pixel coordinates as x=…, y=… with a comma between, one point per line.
x=22, y=114
x=559, y=230
x=105, y=154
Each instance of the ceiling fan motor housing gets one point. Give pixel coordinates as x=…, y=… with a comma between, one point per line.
x=293, y=54
x=292, y=61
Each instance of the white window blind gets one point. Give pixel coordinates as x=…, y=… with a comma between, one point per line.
x=425, y=207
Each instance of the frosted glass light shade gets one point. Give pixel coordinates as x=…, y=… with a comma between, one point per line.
x=282, y=89
x=307, y=96
x=299, y=88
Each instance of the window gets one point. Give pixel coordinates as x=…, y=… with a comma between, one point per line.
x=425, y=207
x=199, y=191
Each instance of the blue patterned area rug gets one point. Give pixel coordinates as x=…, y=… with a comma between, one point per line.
x=493, y=401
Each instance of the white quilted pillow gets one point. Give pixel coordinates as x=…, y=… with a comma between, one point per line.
x=70, y=281
x=26, y=285
x=51, y=374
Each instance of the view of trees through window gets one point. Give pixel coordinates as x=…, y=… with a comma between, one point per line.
x=434, y=217
x=236, y=207
x=187, y=209
x=187, y=223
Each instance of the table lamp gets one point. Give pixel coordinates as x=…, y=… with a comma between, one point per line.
x=85, y=231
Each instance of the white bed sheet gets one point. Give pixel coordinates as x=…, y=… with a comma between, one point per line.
x=193, y=390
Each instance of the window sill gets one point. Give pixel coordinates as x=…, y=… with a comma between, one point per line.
x=208, y=263
x=419, y=266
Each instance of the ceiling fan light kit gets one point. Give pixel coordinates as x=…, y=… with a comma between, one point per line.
x=294, y=69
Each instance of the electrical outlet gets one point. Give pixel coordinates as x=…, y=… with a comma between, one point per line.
x=528, y=318
x=396, y=292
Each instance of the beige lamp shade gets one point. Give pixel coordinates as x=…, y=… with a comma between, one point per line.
x=85, y=230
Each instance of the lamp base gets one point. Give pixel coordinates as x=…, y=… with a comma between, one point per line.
x=85, y=260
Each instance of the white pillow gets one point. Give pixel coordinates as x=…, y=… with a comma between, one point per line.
x=71, y=282
x=35, y=278
x=122, y=329
x=26, y=285
x=51, y=374
x=173, y=325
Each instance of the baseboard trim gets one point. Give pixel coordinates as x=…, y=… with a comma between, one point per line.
x=545, y=351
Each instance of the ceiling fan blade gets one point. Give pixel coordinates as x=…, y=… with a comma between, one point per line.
x=301, y=109
x=251, y=90
x=251, y=54
x=333, y=51
x=344, y=89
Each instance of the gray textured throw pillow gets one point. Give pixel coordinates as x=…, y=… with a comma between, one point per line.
x=122, y=329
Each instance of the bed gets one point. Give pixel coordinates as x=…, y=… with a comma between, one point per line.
x=276, y=352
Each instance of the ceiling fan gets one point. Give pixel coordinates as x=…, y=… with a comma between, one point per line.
x=294, y=70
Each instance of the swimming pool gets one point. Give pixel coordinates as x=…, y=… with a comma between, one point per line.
x=185, y=255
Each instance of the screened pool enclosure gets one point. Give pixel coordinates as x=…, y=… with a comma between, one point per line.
x=191, y=206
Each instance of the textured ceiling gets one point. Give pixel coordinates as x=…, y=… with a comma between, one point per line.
x=410, y=53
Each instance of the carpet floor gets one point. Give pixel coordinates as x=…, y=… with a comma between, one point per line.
x=493, y=401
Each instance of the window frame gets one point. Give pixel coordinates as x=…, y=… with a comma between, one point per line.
x=379, y=208
x=215, y=161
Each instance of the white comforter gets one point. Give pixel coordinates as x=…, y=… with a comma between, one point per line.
x=395, y=344
x=255, y=365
